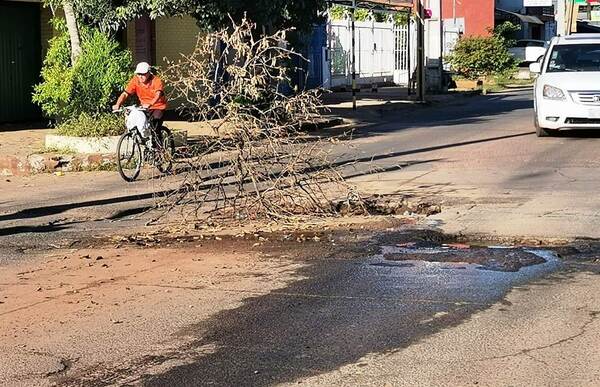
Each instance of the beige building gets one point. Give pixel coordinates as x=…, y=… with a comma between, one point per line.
x=152, y=41
x=25, y=31
x=156, y=41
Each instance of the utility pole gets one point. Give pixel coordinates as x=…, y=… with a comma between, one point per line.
x=353, y=55
x=441, y=60
x=560, y=14
x=572, y=10
x=409, y=53
x=454, y=11
x=420, y=51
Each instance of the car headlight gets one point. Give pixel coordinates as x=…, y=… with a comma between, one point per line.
x=551, y=92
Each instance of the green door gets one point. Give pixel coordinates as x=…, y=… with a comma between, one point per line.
x=19, y=60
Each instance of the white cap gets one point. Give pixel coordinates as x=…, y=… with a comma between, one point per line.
x=142, y=68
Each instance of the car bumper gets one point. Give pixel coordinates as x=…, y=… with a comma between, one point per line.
x=567, y=115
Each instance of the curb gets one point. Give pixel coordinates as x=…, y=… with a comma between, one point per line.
x=50, y=163
x=56, y=162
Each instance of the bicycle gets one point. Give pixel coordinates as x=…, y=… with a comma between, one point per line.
x=145, y=141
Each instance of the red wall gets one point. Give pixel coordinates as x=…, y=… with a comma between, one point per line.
x=478, y=14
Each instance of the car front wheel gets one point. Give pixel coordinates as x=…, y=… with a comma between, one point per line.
x=542, y=132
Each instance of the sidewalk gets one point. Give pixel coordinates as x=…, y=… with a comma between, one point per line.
x=396, y=96
x=23, y=152
x=17, y=144
x=376, y=107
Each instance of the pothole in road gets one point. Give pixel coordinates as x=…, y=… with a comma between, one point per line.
x=506, y=259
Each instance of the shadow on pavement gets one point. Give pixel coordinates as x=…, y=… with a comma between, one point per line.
x=368, y=160
x=577, y=133
x=37, y=212
x=336, y=313
x=462, y=112
x=48, y=228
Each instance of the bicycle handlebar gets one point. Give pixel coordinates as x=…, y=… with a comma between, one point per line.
x=130, y=108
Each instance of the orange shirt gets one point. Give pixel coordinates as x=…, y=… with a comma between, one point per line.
x=147, y=91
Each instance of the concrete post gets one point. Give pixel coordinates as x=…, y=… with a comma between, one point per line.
x=560, y=17
x=420, y=52
x=353, y=55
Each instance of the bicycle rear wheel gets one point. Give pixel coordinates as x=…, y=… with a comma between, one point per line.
x=129, y=157
x=165, y=152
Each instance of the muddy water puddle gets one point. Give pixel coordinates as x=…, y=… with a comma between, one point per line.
x=488, y=272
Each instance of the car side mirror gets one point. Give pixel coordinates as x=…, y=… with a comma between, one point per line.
x=535, y=68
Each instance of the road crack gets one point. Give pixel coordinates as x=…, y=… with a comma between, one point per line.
x=527, y=352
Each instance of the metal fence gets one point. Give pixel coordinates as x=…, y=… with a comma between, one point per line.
x=405, y=60
x=383, y=52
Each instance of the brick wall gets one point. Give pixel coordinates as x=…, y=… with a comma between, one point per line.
x=478, y=14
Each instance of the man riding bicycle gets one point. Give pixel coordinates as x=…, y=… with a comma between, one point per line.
x=149, y=90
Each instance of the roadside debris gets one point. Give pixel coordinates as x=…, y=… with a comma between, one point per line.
x=387, y=205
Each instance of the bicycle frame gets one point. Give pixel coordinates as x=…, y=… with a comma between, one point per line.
x=135, y=122
x=146, y=134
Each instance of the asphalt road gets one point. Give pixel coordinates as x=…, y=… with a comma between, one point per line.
x=477, y=155
x=481, y=158
x=334, y=312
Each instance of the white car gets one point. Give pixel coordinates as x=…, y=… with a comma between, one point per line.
x=567, y=89
x=529, y=50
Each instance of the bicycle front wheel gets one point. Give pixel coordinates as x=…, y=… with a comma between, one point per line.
x=129, y=157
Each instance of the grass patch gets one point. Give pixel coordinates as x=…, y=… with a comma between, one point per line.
x=491, y=85
x=102, y=167
x=513, y=82
x=60, y=150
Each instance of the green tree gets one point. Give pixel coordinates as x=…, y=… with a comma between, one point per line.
x=337, y=12
x=481, y=57
x=269, y=14
x=88, y=86
x=109, y=15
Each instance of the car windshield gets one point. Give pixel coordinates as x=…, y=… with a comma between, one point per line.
x=574, y=57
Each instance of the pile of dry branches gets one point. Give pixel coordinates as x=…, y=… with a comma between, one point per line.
x=257, y=162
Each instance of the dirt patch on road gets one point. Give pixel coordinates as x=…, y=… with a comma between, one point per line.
x=99, y=306
x=84, y=309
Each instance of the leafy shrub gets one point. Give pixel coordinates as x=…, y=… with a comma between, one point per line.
x=506, y=32
x=92, y=125
x=338, y=12
x=88, y=87
x=54, y=93
x=480, y=57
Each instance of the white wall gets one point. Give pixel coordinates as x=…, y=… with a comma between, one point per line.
x=433, y=45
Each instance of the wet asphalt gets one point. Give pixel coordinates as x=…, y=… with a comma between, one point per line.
x=344, y=311
x=346, y=306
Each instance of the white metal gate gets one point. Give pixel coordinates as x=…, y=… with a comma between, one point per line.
x=382, y=52
x=406, y=58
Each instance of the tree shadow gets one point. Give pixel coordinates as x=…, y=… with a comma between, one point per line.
x=463, y=111
x=348, y=161
x=25, y=125
x=48, y=228
x=337, y=312
x=41, y=211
